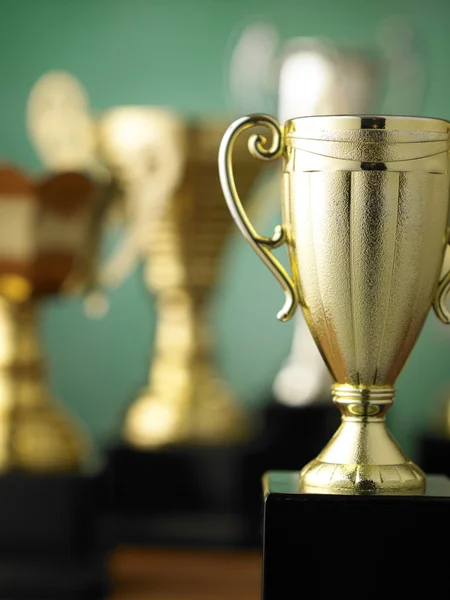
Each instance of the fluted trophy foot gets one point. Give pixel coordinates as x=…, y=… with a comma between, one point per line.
x=327, y=478
x=362, y=457
x=40, y=439
x=152, y=423
x=207, y=416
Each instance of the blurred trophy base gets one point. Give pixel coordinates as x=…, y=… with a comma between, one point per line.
x=359, y=547
x=197, y=496
x=294, y=435
x=48, y=543
x=434, y=453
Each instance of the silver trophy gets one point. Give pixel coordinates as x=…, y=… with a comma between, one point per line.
x=314, y=76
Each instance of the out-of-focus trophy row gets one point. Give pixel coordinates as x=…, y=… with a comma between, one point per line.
x=365, y=209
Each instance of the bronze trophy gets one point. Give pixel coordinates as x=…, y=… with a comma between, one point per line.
x=46, y=227
x=49, y=471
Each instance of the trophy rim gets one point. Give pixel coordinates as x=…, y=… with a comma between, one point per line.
x=368, y=121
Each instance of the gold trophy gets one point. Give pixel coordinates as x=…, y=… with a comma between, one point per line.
x=182, y=239
x=365, y=220
x=49, y=231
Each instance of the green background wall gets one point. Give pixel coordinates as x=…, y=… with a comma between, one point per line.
x=175, y=53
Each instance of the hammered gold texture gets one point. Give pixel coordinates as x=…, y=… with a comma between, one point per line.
x=369, y=247
x=365, y=212
x=329, y=478
x=368, y=265
x=186, y=401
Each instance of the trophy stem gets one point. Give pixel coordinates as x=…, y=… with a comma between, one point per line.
x=182, y=336
x=185, y=400
x=362, y=457
x=34, y=435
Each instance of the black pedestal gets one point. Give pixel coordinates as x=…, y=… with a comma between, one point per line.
x=355, y=547
x=185, y=496
x=48, y=538
x=295, y=435
x=434, y=454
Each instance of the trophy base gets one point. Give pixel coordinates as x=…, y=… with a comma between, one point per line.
x=434, y=454
x=48, y=542
x=205, y=496
x=364, y=547
x=319, y=477
x=52, y=580
x=362, y=457
x=294, y=435
x=154, y=421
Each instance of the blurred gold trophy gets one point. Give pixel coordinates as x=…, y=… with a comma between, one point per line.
x=365, y=220
x=182, y=240
x=169, y=198
x=49, y=230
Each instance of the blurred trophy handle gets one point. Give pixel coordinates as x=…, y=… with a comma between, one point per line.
x=87, y=270
x=61, y=127
x=440, y=302
x=148, y=174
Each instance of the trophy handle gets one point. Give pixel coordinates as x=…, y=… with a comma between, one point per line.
x=261, y=245
x=439, y=305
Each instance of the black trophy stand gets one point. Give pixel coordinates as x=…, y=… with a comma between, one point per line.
x=294, y=435
x=185, y=495
x=48, y=541
x=324, y=546
x=209, y=495
x=434, y=442
x=434, y=452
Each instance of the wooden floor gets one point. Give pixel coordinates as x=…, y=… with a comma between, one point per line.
x=164, y=574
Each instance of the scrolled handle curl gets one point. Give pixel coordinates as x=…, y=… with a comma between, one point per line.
x=262, y=245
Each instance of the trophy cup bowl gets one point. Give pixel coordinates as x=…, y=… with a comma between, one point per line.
x=48, y=236
x=365, y=220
